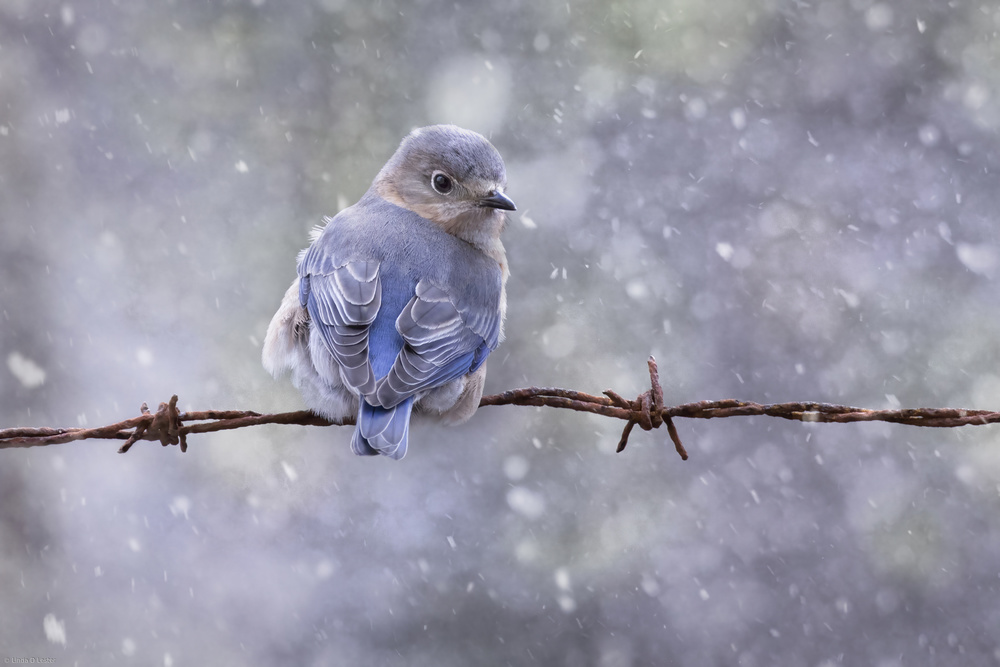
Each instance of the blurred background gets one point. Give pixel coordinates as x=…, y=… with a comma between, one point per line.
x=779, y=200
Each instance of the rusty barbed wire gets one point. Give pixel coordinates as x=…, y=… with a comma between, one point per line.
x=171, y=426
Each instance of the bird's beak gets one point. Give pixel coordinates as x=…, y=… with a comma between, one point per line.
x=497, y=199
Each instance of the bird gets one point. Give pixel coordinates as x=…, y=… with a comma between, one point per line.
x=400, y=298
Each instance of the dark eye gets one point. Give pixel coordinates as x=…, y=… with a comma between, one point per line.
x=441, y=183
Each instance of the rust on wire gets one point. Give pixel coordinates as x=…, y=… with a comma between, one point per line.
x=170, y=426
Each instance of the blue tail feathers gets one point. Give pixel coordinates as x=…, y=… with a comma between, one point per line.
x=382, y=430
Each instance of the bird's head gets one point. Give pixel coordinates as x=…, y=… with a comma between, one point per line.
x=453, y=177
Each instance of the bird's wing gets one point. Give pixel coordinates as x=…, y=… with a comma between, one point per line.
x=444, y=340
x=343, y=298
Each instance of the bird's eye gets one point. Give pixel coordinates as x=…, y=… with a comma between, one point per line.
x=441, y=183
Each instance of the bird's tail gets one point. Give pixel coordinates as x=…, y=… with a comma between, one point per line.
x=382, y=430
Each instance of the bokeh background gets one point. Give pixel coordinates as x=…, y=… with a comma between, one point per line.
x=779, y=200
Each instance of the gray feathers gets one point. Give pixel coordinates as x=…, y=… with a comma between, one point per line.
x=344, y=303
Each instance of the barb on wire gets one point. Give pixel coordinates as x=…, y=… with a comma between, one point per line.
x=170, y=426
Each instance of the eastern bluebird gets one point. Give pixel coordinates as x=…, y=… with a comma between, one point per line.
x=400, y=298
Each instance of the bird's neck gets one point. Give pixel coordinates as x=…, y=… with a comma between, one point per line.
x=481, y=229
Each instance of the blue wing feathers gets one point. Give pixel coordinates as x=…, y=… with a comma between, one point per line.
x=480, y=356
x=304, y=284
x=397, y=321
